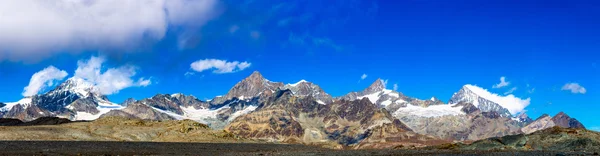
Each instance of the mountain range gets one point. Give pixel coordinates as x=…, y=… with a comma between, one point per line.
x=303, y=112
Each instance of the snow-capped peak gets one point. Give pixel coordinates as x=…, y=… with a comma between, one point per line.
x=76, y=85
x=377, y=86
x=487, y=101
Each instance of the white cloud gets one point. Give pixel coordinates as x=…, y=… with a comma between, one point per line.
x=364, y=76
x=502, y=83
x=32, y=29
x=188, y=74
x=42, y=79
x=243, y=65
x=574, y=88
x=513, y=89
x=385, y=82
x=110, y=81
x=395, y=86
x=514, y=104
x=219, y=66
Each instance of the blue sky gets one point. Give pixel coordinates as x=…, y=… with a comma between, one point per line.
x=427, y=48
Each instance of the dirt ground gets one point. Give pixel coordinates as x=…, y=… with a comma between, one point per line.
x=161, y=148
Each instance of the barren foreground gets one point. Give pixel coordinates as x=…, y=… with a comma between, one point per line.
x=162, y=148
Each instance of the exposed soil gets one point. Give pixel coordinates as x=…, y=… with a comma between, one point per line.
x=155, y=148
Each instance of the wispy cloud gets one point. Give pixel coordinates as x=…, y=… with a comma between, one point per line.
x=503, y=83
x=219, y=66
x=42, y=79
x=575, y=88
x=110, y=81
x=513, y=89
x=395, y=86
x=363, y=77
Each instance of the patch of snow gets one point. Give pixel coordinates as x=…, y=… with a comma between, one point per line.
x=200, y=115
x=431, y=111
x=320, y=102
x=103, y=106
x=510, y=102
x=372, y=97
x=174, y=115
x=242, y=112
x=515, y=119
x=176, y=94
x=432, y=99
x=386, y=103
x=297, y=83
x=379, y=123
x=400, y=101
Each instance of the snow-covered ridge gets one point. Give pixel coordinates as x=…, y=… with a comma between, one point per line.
x=513, y=104
x=297, y=83
x=9, y=105
x=431, y=111
x=374, y=97
x=76, y=85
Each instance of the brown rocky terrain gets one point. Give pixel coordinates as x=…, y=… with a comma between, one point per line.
x=119, y=129
x=552, y=139
x=288, y=118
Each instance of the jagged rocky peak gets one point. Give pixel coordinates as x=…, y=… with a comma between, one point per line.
x=253, y=86
x=305, y=88
x=128, y=101
x=480, y=98
x=377, y=86
x=523, y=117
x=76, y=85
x=542, y=116
x=563, y=120
x=545, y=121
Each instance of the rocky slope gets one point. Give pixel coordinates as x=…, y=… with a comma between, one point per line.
x=289, y=118
x=552, y=139
x=121, y=129
x=470, y=124
x=545, y=121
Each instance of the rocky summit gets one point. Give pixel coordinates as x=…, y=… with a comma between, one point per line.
x=262, y=110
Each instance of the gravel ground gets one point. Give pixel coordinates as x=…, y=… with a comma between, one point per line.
x=155, y=148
